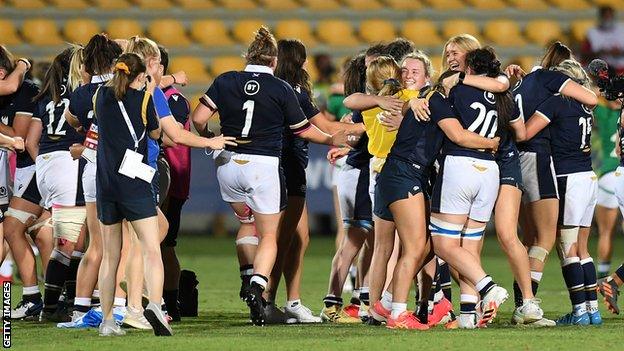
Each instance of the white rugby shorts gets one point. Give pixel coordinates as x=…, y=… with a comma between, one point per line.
x=57, y=179
x=466, y=185
x=88, y=182
x=255, y=180
x=577, y=200
x=606, y=190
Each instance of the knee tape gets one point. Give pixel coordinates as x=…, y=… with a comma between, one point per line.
x=569, y=260
x=22, y=216
x=538, y=253
x=567, y=239
x=445, y=229
x=68, y=222
x=473, y=233
x=32, y=230
x=247, y=240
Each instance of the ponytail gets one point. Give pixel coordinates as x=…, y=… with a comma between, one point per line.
x=74, y=78
x=99, y=54
x=55, y=81
x=383, y=76
x=555, y=54
x=263, y=50
x=126, y=70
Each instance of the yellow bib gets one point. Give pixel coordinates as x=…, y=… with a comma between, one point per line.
x=380, y=140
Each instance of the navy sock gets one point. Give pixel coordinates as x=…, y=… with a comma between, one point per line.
x=518, y=300
x=589, y=274
x=575, y=281
x=445, y=281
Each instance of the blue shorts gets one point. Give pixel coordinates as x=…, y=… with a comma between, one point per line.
x=510, y=171
x=112, y=212
x=398, y=180
x=294, y=164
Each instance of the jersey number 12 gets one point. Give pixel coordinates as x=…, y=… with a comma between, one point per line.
x=59, y=130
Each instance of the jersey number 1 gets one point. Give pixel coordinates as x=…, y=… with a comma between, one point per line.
x=249, y=107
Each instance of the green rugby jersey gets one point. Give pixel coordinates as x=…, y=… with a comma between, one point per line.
x=606, y=121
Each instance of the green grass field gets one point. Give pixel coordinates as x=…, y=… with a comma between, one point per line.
x=222, y=323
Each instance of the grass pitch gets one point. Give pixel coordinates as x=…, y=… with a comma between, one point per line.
x=223, y=320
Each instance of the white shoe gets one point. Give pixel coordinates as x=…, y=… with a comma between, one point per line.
x=110, y=328
x=26, y=309
x=135, y=319
x=301, y=313
x=467, y=321
x=273, y=315
x=156, y=318
x=491, y=302
x=544, y=322
x=77, y=315
x=528, y=313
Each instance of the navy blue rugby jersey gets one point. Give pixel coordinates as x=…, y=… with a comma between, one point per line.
x=420, y=142
x=57, y=134
x=20, y=102
x=359, y=157
x=254, y=106
x=507, y=147
x=292, y=143
x=81, y=100
x=476, y=111
x=529, y=93
x=570, y=133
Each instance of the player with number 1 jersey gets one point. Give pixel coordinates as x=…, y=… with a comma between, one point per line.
x=254, y=106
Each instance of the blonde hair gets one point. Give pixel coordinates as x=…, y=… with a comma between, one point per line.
x=383, y=76
x=422, y=57
x=143, y=47
x=574, y=70
x=263, y=50
x=74, y=78
x=466, y=42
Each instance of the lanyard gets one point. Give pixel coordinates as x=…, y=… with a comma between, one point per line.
x=129, y=125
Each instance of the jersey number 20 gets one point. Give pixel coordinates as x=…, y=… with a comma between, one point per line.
x=486, y=122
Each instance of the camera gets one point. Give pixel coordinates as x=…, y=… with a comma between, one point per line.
x=611, y=85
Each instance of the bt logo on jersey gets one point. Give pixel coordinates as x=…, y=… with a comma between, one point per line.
x=252, y=87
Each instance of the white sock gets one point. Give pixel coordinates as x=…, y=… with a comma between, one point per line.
x=30, y=290
x=483, y=282
x=83, y=301
x=386, y=300
x=397, y=309
x=6, y=269
x=293, y=303
x=96, y=294
x=258, y=280
x=355, y=293
x=579, y=309
x=592, y=306
x=118, y=302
